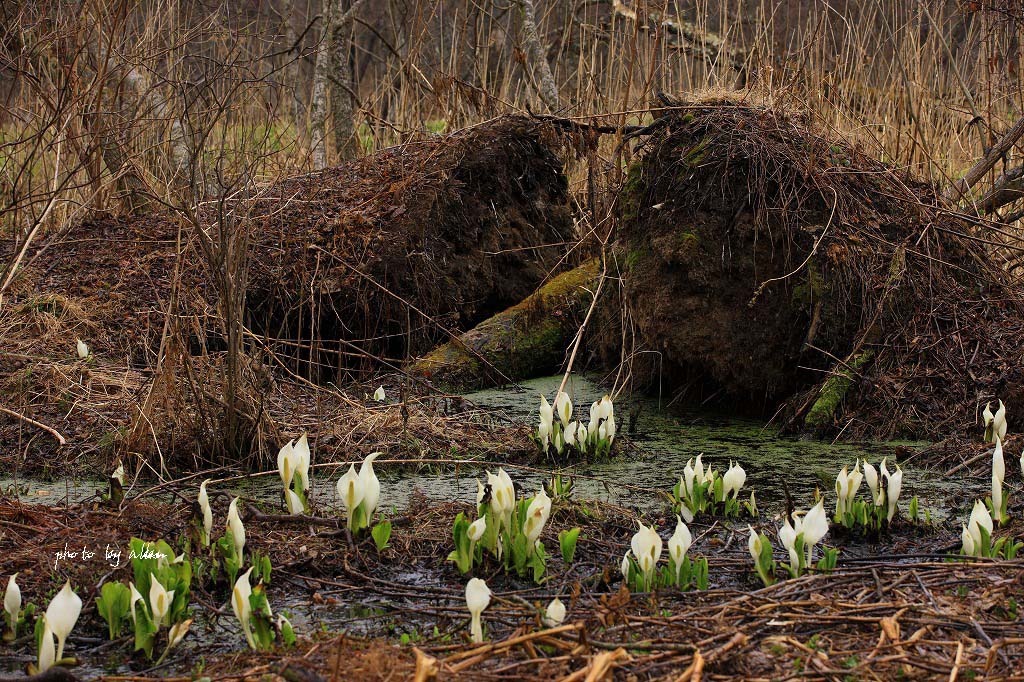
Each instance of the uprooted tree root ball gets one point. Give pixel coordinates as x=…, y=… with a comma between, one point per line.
x=349, y=269
x=765, y=261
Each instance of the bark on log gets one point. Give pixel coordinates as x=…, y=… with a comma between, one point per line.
x=1008, y=188
x=527, y=340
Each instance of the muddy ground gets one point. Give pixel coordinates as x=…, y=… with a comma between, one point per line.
x=895, y=608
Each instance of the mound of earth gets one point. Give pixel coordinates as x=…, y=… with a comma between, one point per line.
x=367, y=261
x=349, y=269
x=766, y=263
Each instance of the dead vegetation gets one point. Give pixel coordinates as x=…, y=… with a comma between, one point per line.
x=351, y=270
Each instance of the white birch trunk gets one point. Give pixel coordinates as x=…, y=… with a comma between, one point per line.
x=536, y=54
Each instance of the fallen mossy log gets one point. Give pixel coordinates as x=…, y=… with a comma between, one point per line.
x=366, y=262
x=529, y=339
x=766, y=262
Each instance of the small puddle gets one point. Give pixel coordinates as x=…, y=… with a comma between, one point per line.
x=665, y=440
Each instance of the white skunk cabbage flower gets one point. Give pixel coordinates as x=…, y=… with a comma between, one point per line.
x=595, y=417
x=581, y=435
x=204, y=507
x=969, y=548
x=47, y=653
x=136, y=597
x=624, y=566
x=302, y=458
x=559, y=441
x=679, y=544
x=754, y=544
x=536, y=516
x=733, y=480
x=177, y=633
x=995, y=425
x=478, y=596
x=847, y=486
x=503, y=495
x=82, y=348
x=119, y=473
x=570, y=436
x=241, y=606
x=787, y=536
x=563, y=407
x=980, y=518
x=293, y=502
x=698, y=469
x=236, y=529
x=350, y=490
x=871, y=476
x=546, y=425
x=893, y=487
x=842, y=491
x=554, y=615
x=688, y=479
x=160, y=600
x=607, y=430
x=62, y=614
x=12, y=601
x=814, y=527
x=286, y=463
x=998, y=474
x=370, y=484
x=477, y=529
x=544, y=435
x=379, y=394
x=547, y=413
x=602, y=420
x=646, y=546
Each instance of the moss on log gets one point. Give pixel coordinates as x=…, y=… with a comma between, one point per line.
x=823, y=412
x=528, y=339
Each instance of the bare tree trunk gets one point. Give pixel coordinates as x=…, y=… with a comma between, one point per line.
x=332, y=67
x=294, y=69
x=342, y=91
x=537, y=57
x=318, y=100
x=181, y=157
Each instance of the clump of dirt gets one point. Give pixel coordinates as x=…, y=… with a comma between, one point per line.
x=766, y=262
x=371, y=260
x=388, y=252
